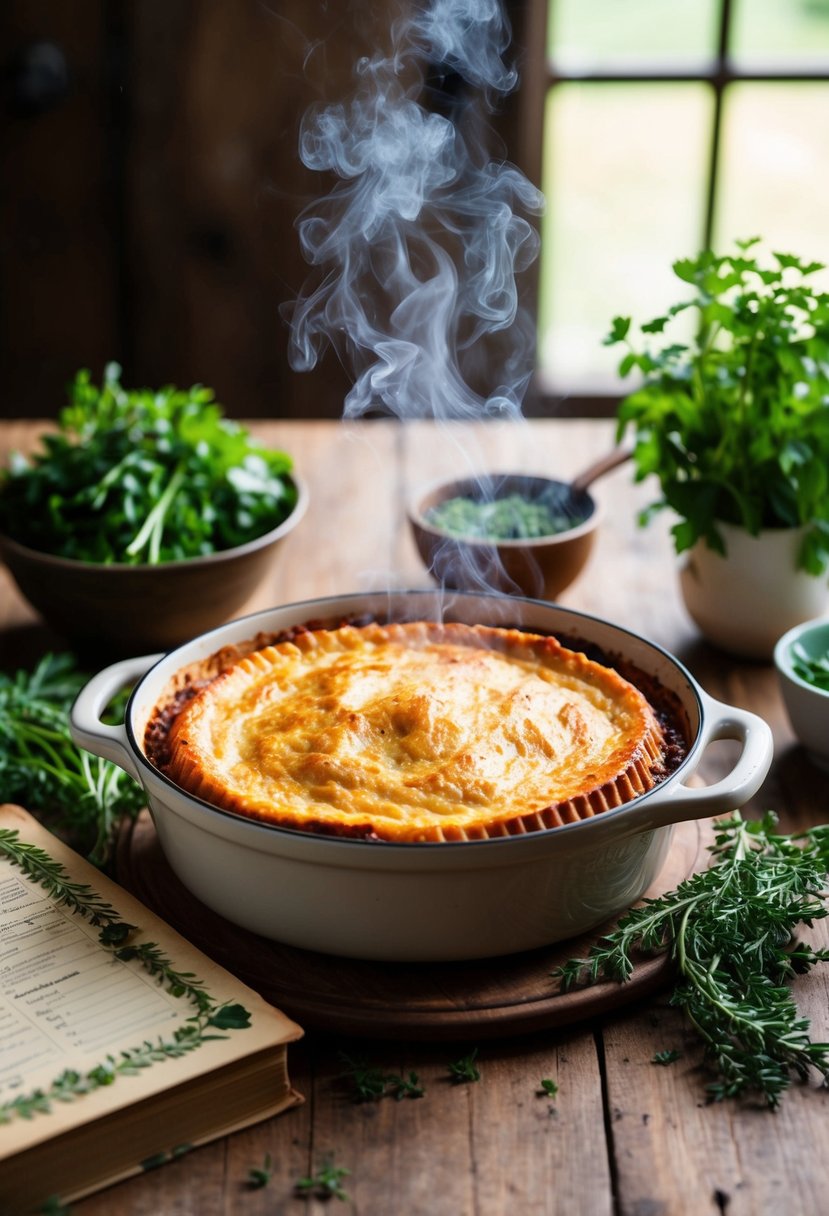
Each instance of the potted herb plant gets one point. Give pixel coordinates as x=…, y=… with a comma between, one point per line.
x=733, y=421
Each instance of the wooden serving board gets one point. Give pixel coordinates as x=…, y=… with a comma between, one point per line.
x=485, y=998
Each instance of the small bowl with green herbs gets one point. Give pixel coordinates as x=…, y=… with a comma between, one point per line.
x=801, y=657
x=145, y=517
x=505, y=532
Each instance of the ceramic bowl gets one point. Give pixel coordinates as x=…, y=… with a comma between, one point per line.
x=423, y=901
x=119, y=610
x=806, y=705
x=542, y=567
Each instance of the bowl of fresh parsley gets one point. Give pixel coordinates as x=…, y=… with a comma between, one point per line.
x=801, y=657
x=145, y=517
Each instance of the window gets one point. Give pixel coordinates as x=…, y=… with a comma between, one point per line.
x=668, y=126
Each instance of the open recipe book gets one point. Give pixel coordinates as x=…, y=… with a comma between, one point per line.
x=121, y=1045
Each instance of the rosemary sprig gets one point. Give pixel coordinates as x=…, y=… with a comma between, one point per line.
x=731, y=931
x=406, y=1086
x=366, y=1082
x=326, y=1182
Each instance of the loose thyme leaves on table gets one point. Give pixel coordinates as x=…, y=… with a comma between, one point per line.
x=731, y=931
x=407, y=1086
x=369, y=1083
x=260, y=1175
x=465, y=1069
x=325, y=1182
x=548, y=1088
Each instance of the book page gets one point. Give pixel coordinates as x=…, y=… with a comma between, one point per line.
x=64, y=1001
x=67, y=1002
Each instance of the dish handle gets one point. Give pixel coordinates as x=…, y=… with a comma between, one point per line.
x=675, y=802
x=85, y=724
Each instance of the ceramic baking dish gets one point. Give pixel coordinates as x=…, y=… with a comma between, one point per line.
x=430, y=901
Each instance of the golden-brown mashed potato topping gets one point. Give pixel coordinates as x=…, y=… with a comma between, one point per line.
x=416, y=732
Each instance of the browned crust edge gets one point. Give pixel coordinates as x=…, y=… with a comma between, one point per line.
x=646, y=768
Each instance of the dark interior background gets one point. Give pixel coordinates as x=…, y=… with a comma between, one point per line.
x=150, y=184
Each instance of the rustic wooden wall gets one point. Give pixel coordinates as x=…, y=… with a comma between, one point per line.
x=58, y=224
x=150, y=186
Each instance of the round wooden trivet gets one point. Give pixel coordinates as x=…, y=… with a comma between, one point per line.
x=430, y=1001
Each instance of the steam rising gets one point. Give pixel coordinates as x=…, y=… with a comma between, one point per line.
x=416, y=248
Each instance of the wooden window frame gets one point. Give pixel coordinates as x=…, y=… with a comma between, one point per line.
x=523, y=121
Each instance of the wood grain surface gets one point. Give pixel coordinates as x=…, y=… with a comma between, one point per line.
x=623, y=1137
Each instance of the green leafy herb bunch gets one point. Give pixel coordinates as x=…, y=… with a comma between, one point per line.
x=143, y=477
x=734, y=421
x=81, y=796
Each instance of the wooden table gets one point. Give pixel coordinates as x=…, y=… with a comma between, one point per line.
x=622, y=1136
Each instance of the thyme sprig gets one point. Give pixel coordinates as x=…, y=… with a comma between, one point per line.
x=730, y=930
x=115, y=934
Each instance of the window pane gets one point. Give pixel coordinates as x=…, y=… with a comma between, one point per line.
x=595, y=34
x=624, y=174
x=775, y=168
x=781, y=33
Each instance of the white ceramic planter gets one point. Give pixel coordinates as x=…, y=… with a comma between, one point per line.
x=745, y=601
x=806, y=705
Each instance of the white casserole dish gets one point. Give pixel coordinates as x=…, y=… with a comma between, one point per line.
x=431, y=901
